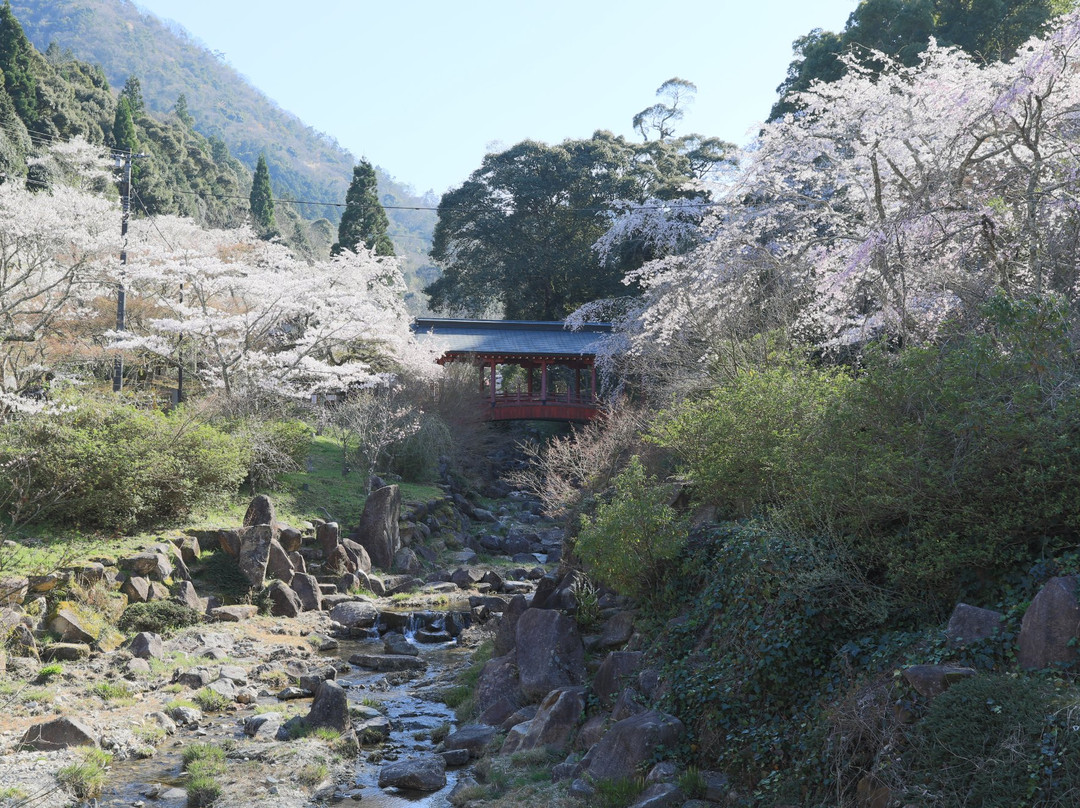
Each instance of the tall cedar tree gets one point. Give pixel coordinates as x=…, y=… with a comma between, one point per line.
x=364, y=220
x=133, y=93
x=262, y=200
x=16, y=65
x=125, y=137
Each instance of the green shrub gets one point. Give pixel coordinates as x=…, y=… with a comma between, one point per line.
x=416, y=456
x=205, y=758
x=997, y=741
x=744, y=444
x=630, y=536
x=618, y=793
x=158, y=616
x=112, y=691
x=121, y=467
x=202, y=790
x=935, y=468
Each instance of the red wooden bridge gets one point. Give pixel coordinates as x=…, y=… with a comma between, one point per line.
x=529, y=370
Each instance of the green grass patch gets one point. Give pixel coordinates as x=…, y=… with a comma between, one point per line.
x=204, y=758
x=86, y=777
x=50, y=671
x=113, y=692
x=211, y=701
x=174, y=703
x=311, y=774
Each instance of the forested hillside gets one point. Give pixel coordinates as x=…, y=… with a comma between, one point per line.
x=304, y=164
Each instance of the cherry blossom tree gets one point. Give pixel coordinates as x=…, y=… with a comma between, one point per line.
x=896, y=199
x=247, y=313
x=56, y=245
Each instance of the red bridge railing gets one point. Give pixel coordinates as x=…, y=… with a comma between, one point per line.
x=555, y=407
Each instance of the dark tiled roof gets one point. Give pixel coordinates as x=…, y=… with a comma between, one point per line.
x=520, y=337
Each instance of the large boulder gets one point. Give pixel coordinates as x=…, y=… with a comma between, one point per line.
x=617, y=631
x=307, y=588
x=146, y=645
x=136, y=588
x=254, y=554
x=187, y=595
x=327, y=535
x=148, y=565
x=930, y=681
x=355, y=614
x=553, y=724
x=631, y=743
x=506, y=634
x=284, y=602
x=229, y=541
x=419, y=774
x=498, y=692
x=473, y=738
x=378, y=528
x=550, y=653
x=59, y=733
x=613, y=673
x=278, y=564
x=357, y=555
x=970, y=624
x=13, y=589
x=291, y=539
x=1050, y=627
x=260, y=512
x=387, y=662
x=330, y=707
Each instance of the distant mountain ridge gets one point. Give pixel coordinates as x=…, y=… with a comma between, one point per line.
x=304, y=164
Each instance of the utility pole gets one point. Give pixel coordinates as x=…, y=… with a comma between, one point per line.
x=124, y=160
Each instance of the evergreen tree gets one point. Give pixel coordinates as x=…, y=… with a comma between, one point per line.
x=124, y=136
x=14, y=139
x=16, y=62
x=182, y=111
x=262, y=200
x=133, y=93
x=364, y=220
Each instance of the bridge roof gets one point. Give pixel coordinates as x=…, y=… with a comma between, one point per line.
x=512, y=337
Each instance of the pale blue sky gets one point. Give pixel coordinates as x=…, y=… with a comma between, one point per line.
x=424, y=88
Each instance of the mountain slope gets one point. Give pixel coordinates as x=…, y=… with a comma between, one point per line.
x=304, y=164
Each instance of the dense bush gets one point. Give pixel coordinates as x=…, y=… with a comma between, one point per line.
x=416, y=456
x=118, y=466
x=744, y=444
x=157, y=617
x=624, y=543
x=997, y=741
x=750, y=651
x=934, y=467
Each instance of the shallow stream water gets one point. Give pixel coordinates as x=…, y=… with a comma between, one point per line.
x=158, y=781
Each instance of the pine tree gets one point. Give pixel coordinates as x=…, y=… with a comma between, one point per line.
x=262, y=200
x=364, y=220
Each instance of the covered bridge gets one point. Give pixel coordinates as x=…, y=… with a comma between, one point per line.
x=529, y=370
